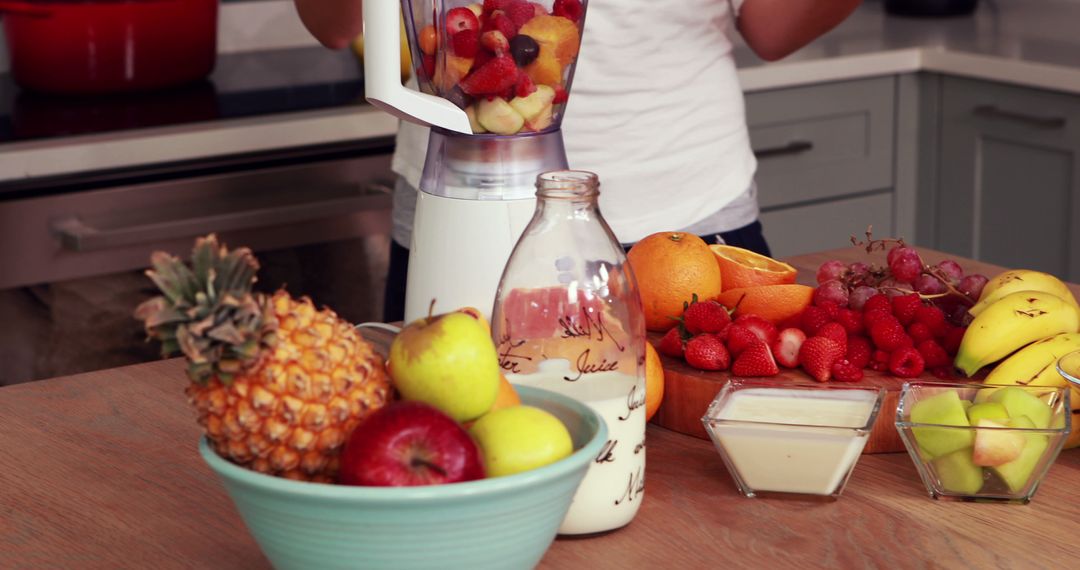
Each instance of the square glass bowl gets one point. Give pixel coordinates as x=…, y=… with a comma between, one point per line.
x=797, y=438
x=980, y=442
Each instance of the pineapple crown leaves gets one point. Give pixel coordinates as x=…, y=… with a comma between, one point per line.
x=208, y=312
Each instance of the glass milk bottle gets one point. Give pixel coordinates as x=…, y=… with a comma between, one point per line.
x=568, y=318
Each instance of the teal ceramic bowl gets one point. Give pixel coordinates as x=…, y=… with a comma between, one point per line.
x=502, y=522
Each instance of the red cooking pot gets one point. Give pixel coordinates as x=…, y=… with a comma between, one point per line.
x=101, y=46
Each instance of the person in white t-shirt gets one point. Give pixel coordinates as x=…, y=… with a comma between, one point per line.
x=655, y=109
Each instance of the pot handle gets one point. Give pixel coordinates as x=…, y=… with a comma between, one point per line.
x=24, y=9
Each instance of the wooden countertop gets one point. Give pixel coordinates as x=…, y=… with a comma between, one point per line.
x=100, y=470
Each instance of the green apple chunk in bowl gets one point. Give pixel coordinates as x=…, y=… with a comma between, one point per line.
x=982, y=442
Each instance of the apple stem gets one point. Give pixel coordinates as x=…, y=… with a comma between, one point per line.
x=420, y=462
x=431, y=309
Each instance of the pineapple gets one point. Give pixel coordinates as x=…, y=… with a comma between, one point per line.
x=278, y=385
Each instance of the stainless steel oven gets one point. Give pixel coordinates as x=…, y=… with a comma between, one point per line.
x=72, y=249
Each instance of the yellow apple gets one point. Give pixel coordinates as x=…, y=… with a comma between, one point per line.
x=447, y=361
x=520, y=438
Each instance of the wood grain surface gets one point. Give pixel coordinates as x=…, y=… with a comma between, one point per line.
x=101, y=470
x=688, y=391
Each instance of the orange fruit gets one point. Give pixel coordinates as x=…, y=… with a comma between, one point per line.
x=771, y=302
x=670, y=268
x=654, y=381
x=744, y=268
x=506, y=397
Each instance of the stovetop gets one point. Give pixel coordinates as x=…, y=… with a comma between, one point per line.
x=248, y=84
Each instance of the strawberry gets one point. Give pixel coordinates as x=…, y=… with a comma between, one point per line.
x=765, y=330
x=739, y=338
x=904, y=307
x=756, y=360
x=836, y=332
x=879, y=301
x=492, y=5
x=906, y=363
x=858, y=351
x=933, y=355
x=569, y=9
x=951, y=341
x=492, y=78
x=817, y=356
x=706, y=316
x=461, y=19
x=501, y=22
x=561, y=95
x=427, y=64
x=786, y=347
x=851, y=320
x=889, y=335
x=465, y=43
x=519, y=12
x=872, y=316
x=494, y=41
x=707, y=352
x=844, y=370
x=813, y=318
x=919, y=332
x=933, y=318
x=672, y=343
x=525, y=86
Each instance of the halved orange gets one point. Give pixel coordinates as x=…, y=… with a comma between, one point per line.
x=744, y=268
x=771, y=302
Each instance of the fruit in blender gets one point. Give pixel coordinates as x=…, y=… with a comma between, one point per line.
x=447, y=361
x=408, y=444
x=498, y=116
x=520, y=438
x=536, y=107
x=494, y=77
x=524, y=49
x=278, y=385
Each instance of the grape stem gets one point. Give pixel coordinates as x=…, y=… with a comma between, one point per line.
x=872, y=244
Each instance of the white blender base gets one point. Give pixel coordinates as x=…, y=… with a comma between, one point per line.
x=458, y=252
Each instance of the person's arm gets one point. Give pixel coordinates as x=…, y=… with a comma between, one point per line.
x=777, y=28
x=335, y=23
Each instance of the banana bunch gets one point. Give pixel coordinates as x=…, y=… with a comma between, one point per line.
x=1035, y=365
x=1021, y=280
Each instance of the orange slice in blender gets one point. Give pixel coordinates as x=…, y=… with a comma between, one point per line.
x=744, y=268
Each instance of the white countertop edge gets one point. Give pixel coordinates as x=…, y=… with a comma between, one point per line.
x=67, y=155
x=796, y=73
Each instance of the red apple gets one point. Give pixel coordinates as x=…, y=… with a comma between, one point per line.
x=406, y=444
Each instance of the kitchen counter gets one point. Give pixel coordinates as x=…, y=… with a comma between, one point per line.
x=1005, y=40
x=101, y=470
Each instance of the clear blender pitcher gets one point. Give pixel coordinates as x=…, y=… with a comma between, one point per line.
x=494, y=79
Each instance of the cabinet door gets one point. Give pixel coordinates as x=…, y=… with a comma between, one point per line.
x=1010, y=176
x=826, y=225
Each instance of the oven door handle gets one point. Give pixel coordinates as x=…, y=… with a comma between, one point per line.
x=77, y=234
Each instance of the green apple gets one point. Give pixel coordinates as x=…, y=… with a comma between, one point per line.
x=1020, y=402
x=942, y=409
x=987, y=411
x=520, y=438
x=997, y=444
x=1017, y=473
x=957, y=473
x=498, y=116
x=983, y=395
x=448, y=361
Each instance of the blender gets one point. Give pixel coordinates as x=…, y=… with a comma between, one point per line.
x=494, y=78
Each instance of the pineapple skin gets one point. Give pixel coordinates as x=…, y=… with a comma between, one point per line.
x=290, y=415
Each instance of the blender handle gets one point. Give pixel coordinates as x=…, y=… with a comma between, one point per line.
x=382, y=74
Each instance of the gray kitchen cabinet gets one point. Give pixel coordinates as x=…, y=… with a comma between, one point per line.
x=1008, y=187
x=825, y=162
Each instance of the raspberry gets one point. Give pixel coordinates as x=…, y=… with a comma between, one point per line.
x=943, y=372
x=845, y=371
x=705, y=316
x=888, y=335
x=525, y=86
x=569, y=9
x=851, y=320
x=875, y=315
x=858, y=351
x=813, y=318
x=919, y=332
x=879, y=301
x=906, y=363
x=933, y=355
x=836, y=332
x=756, y=360
x=904, y=307
x=519, y=12
x=707, y=352
x=952, y=339
x=672, y=343
x=817, y=356
x=561, y=95
x=933, y=318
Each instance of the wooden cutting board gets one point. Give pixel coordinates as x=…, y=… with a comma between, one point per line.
x=688, y=391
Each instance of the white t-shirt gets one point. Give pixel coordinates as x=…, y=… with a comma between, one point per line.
x=656, y=111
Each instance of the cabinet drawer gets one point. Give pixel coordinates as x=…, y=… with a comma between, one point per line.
x=827, y=225
x=822, y=141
